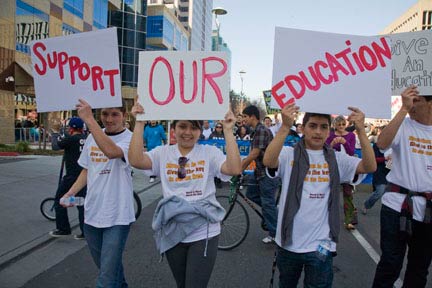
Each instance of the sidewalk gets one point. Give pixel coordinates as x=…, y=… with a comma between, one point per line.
x=24, y=182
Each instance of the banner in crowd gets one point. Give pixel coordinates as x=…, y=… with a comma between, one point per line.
x=411, y=61
x=327, y=72
x=82, y=65
x=183, y=85
x=244, y=148
x=267, y=100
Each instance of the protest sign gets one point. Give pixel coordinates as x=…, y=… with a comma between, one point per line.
x=326, y=72
x=267, y=100
x=411, y=61
x=183, y=85
x=83, y=65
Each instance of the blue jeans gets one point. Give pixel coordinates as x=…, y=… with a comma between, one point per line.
x=106, y=247
x=318, y=273
x=375, y=196
x=263, y=192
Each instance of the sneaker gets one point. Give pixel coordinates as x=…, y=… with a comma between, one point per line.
x=349, y=226
x=268, y=240
x=59, y=233
x=151, y=180
x=79, y=236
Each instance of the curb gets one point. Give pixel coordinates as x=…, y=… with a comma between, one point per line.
x=9, y=154
x=16, y=254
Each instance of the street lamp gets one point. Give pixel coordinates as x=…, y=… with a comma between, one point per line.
x=218, y=11
x=241, y=72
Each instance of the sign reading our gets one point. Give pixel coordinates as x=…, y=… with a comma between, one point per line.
x=183, y=85
x=83, y=65
x=412, y=61
x=326, y=72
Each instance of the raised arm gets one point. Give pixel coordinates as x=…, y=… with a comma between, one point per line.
x=368, y=163
x=136, y=156
x=232, y=164
x=388, y=134
x=271, y=155
x=105, y=143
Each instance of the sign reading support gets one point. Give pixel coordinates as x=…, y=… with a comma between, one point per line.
x=83, y=65
x=326, y=72
x=183, y=85
x=412, y=61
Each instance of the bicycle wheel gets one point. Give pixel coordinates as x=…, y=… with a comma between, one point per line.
x=137, y=205
x=235, y=226
x=47, y=208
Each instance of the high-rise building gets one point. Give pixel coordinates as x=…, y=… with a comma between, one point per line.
x=22, y=21
x=416, y=18
x=200, y=23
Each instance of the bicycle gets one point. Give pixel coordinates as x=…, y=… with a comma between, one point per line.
x=236, y=223
x=47, y=207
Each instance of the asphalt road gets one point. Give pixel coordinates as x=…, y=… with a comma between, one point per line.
x=67, y=263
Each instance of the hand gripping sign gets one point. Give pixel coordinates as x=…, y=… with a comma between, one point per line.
x=183, y=85
x=326, y=72
x=83, y=65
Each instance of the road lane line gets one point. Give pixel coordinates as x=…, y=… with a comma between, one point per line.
x=372, y=253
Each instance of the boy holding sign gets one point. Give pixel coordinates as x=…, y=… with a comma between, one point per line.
x=308, y=222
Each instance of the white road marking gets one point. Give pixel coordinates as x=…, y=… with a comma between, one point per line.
x=372, y=253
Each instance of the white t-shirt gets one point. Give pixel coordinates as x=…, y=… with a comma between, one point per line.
x=411, y=165
x=205, y=163
x=311, y=221
x=206, y=133
x=109, y=199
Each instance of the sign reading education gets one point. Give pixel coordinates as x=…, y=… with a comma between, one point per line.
x=183, y=85
x=412, y=61
x=326, y=72
x=83, y=65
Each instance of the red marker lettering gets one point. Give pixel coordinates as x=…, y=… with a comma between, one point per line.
x=209, y=77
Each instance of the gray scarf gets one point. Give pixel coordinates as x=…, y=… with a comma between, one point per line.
x=295, y=190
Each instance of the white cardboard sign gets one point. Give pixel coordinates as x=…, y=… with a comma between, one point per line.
x=183, y=85
x=326, y=72
x=83, y=65
x=412, y=61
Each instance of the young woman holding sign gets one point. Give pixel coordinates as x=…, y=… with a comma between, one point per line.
x=187, y=220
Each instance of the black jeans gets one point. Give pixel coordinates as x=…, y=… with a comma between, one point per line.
x=62, y=219
x=393, y=246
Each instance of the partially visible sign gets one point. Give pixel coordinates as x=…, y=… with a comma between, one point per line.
x=267, y=100
x=83, y=65
x=412, y=61
x=326, y=72
x=183, y=85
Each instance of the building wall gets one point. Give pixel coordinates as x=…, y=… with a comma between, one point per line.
x=200, y=21
x=7, y=116
x=416, y=18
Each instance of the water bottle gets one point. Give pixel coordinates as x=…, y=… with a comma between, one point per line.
x=72, y=201
x=323, y=250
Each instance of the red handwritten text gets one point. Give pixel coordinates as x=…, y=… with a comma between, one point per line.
x=206, y=77
x=62, y=61
x=345, y=63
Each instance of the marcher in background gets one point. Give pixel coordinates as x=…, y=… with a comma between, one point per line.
x=218, y=134
x=311, y=173
x=242, y=134
x=263, y=189
x=379, y=181
x=109, y=206
x=344, y=141
x=72, y=144
x=406, y=204
x=207, y=130
x=187, y=219
x=154, y=136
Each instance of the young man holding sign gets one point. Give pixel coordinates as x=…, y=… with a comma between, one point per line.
x=407, y=204
x=309, y=223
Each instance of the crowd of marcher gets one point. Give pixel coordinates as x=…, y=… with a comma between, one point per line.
x=313, y=161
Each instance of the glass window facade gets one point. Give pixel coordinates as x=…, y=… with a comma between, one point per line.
x=131, y=32
x=31, y=24
x=75, y=7
x=100, y=13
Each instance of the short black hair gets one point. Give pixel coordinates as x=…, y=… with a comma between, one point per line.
x=308, y=115
x=252, y=110
x=267, y=117
x=428, y=97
